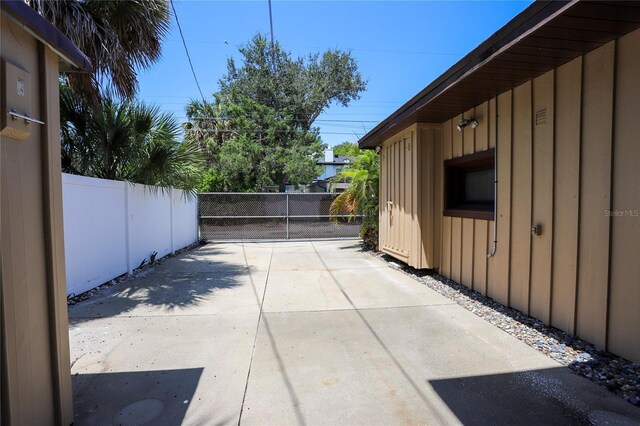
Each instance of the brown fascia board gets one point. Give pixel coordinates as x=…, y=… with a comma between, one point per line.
x=527, y=21
x=43, y=30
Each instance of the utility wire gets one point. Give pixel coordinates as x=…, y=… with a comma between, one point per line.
x=262, y=131
x=271, y=25
x=284, y=119
x=184, y=43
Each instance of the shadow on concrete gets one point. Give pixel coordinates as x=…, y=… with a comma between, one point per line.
x=532, y=397
x=134, y=397
x=410, y=381
x=604, y=368
x=358, y=247
x=163, y=287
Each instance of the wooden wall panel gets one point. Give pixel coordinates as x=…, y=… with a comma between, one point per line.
x=425, y=195
x=498, y=265
x=447, y=153
x=595, y=175
x=407, y=190
x=582, y=274
x=447, y=147
x=437, y=208
x=542, y=204
x=445, y=264
x=521, y=198
x=480, y=255
x=456, y=249
x=624, y=293
x=466, y=273
x=481, y=137
x=382, y=197
x=398, y=196
x=491, y=122
x=456, y=150
x=468, y=134
x=566, y=194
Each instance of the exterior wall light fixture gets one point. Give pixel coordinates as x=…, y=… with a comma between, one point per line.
x=464, y=123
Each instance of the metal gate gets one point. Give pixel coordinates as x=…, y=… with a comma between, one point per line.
x=271, y=216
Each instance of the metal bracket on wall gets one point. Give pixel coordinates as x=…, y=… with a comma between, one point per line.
x=15, y=115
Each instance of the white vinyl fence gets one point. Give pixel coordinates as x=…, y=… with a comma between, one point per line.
x=112, y=226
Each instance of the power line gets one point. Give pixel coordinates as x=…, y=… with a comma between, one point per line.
x=271, y=24
x=259, y=131
x=284, y=119
x=361, y=49
x=184, y=43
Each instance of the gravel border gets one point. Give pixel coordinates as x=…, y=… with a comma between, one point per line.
x=72, y=298
x=616, y=374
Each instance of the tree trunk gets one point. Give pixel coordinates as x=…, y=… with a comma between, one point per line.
x=282, y=186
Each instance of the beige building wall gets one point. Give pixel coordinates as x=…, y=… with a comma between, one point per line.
x=36, y=382
x=567, y=154
x=410, y=195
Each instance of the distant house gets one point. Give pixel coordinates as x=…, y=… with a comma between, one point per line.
x=515, y=173
x=331, y=166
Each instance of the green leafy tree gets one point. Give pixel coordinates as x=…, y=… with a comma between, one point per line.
x=252, y=146
x=270, y=100
x=126, y=140
x=346, y=149
x=361, y=197
x=118, y=36
x=300, y=88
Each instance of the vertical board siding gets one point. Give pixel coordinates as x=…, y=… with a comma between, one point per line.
x=428, y=208
x=447, y=140
x=566, y=194
x=542, y=204
x=624, y=296
x=491, y=121
x=445, y=266
x=521, y=198
x=481, y=136
x=498, y=283
x=595, y=198
x=466, y=275
x=468, y=134
x=480, y=255
x=566, y=173
x=456, y=249
x=424, y=195
x=456, y=147
x=436, y=231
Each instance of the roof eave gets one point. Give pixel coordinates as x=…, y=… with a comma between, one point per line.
x=43, y=30
x=524, y=23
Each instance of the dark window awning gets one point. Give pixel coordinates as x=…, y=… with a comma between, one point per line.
x=44, y=31
x=542, y=37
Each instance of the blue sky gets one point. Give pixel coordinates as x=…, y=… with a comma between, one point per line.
x=400, y=47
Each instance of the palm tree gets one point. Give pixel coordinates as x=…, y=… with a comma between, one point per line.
x=361, y=197
x=126, y=140
x=118, y=36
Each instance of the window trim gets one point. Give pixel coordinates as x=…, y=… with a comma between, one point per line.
x=476, y=161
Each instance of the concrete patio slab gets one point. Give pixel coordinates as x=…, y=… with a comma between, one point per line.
x=340, y=338
x=291, y=291
x=383, y=288
x=161, y=370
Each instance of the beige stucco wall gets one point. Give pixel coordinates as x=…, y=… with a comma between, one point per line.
x=36, y=382
x=582, y=274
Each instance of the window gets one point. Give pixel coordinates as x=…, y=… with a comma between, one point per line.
x=469, y=186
